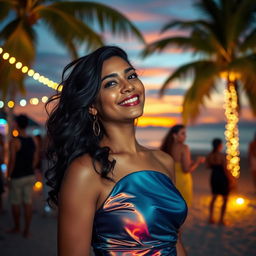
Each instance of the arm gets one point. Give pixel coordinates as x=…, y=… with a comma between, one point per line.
x=186, y=162
x=77, y=204
x=208, y=161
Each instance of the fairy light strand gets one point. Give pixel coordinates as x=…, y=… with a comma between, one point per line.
x=30, y=72
x=24, y=102
x=232, y=133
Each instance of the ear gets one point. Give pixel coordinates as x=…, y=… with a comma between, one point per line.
x=93, y=111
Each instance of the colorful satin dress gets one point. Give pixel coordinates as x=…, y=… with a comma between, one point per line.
x=141, y=216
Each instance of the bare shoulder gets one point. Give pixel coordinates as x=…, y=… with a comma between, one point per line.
x=80, y=177
x=166, y=160
x=185, y=148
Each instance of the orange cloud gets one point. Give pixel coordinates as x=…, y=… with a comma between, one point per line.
x=143, y=16
x=145, y=121
x=154, y=71
x=166, y=105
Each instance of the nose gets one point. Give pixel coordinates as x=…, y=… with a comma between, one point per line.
x=127, y=87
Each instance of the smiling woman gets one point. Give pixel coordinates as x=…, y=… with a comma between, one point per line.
x=112, y=193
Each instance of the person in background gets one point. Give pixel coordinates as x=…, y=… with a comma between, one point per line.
x=38, y=165
x=112, y=192
x=20, y=172
x=220, y=180
x=2, y=152
x=252, y=160
x=174, y=145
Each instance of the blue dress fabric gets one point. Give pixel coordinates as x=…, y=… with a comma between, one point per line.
x=141, y=216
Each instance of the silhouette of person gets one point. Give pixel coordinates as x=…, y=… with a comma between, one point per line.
x=220, y=179
x=20, y=171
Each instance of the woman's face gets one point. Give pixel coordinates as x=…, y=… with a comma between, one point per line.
x=121, y=97
x=180, y=136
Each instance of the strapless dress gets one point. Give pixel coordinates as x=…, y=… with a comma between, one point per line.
x=141, y=216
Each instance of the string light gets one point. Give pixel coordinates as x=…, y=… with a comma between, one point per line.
x=10, y=104
x=30, y=72
x=34, y=101
x=231, y=133
x=24, y=102
x=15, y=133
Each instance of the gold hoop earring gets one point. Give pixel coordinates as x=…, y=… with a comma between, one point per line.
x=96, y=126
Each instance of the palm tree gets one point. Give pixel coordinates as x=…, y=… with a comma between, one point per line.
x=71, y=23
x=225, y=42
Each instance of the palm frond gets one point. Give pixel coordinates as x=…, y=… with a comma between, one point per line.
x=185, y=24
x=21, y=42
x=242, y=19
x=245, y=67
x=209, y=9
x=194, y=43
x=203, y=85
x=6, y=6
x=101, y=14
x=192, y=69
x=249, y=42
x=251, y=99
x=67, y=29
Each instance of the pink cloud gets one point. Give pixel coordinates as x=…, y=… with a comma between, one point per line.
x=156, y=35
x=144, y=16
x=154, y=71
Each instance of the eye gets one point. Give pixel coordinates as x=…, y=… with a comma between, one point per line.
x=133, y=76
x=110, y=84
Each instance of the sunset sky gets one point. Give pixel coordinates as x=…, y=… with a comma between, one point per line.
x=149, y=16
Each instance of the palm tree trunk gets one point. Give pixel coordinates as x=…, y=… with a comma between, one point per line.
x=232, y=133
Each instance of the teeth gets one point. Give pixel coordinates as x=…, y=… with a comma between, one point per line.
x=130, y=101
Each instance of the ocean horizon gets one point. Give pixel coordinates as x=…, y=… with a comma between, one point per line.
x=199, y=137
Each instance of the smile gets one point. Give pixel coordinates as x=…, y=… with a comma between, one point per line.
x=131, y=101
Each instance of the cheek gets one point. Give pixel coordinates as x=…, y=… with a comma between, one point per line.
x=106, y=102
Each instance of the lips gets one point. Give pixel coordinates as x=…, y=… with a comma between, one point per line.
x=130, y=101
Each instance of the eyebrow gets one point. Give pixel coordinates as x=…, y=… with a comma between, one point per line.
x=115, y=74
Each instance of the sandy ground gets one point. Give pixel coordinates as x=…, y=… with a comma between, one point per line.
x=199, y=237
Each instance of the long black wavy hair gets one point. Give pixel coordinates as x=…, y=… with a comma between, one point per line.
x=70, y=125
x=169, y=139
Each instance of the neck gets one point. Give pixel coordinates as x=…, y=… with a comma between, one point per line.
x=120, y=138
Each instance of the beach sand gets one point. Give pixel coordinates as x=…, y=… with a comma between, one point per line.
x=199, y=237
x=236, y=239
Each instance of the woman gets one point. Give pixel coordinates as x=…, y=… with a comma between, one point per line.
x=173, y=144
x=219, y=181
x=111, y=192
